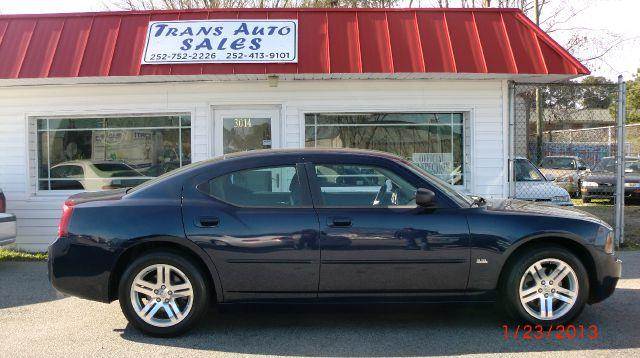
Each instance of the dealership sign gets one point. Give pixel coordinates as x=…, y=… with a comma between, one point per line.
x=221, y=41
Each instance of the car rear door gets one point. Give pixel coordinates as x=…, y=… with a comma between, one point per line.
x=258, y=225
x=389, y=248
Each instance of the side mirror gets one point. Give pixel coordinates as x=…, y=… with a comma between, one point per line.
x=550, y=177
x=425, y=198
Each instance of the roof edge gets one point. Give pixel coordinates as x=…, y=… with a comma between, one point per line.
x=278, y=9
x=553, y=43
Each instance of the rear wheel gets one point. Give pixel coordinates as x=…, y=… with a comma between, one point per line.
x=162, y=294
x=547, y=285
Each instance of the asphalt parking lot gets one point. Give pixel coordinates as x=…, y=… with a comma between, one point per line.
x=35, y=320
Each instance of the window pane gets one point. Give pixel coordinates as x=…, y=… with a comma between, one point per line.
x=379, y=118
x=265, y=187
x=96, y=159
x=243, y=134
x=75, y=123
x=357, y=185
x=133, y=122
x=433, y=141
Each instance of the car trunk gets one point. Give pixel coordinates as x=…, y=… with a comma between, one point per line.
x=89, y=196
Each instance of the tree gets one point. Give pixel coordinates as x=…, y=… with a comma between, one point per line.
x=594, y=95
x=633, y=99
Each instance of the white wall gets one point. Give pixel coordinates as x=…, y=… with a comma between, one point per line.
x=38, y=212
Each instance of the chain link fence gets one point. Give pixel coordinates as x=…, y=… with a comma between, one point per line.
x=565, y=143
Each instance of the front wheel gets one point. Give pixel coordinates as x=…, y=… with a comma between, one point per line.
x=547, y=286
x=163, y=294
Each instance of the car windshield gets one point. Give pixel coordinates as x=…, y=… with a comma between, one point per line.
x=557, y=163
x=525, y=171
x=446, y=188
x=608, y=165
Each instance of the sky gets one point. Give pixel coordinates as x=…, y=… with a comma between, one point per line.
x=609, y=22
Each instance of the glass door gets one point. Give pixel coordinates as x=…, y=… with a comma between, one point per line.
x=244, y=130
x=241, y=130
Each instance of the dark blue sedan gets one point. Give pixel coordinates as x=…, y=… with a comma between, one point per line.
x=323, y=225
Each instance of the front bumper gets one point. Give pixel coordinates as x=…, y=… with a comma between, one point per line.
x=80, y=269
x=608, y=272
x=608, y=192
x=8, y=229
x=570, y=187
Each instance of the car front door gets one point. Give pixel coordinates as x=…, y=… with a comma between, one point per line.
x=260, y=229
x=374, y=239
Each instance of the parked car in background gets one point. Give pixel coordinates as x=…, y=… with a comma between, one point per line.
x=8, y=229
x=532, y=185
x=601, y=183
x=323, y=226
x=568, y=172
x=94, y=175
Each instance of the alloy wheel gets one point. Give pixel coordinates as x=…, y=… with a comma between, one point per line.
x=548, y=289
x=162, y=295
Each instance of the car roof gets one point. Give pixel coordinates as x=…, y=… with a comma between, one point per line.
x=89, y=161
x=266, y=153
x=562, y=156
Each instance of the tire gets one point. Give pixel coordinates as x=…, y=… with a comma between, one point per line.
x=534, y=290
x=177, y=312
x=578, y=193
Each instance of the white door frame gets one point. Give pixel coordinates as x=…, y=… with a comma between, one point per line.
x=244, y=112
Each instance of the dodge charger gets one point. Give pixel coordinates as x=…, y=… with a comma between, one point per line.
x=323, y=226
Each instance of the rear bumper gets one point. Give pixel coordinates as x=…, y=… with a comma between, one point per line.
x=8, y=229
x=80, y=269
x=609, y=271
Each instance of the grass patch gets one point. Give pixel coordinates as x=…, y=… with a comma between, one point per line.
x=630, y=246
x=13, y=255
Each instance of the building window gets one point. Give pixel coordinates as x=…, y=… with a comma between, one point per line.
x=100, y=153
x=433, y=141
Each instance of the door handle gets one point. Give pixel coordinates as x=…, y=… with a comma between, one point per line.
x=339, y=222
x=207, y=222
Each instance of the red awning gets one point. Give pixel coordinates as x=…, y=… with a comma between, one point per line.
x=331, y=41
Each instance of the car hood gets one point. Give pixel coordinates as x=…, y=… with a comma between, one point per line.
x=527, y=207
x=610, y=178
x=558, y=172
x=538, y=190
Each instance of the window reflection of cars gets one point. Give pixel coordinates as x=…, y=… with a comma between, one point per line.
x=160, y=168
x=532, y=185
x=601, y=182
x=94, y=175
x=568, y=170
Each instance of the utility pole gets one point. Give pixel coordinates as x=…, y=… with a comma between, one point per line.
x=539, y=109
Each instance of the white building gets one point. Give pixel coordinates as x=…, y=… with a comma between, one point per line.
x=101, y=100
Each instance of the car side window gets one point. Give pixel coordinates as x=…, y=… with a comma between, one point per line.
x=352, y=185
x=259, y=187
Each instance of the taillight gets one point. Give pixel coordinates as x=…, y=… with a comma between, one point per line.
x=3, y=203
x=63, y=226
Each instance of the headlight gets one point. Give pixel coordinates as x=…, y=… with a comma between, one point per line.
x=587, y=184
x=565, y=179
x=632, y=185
x=561, y=198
